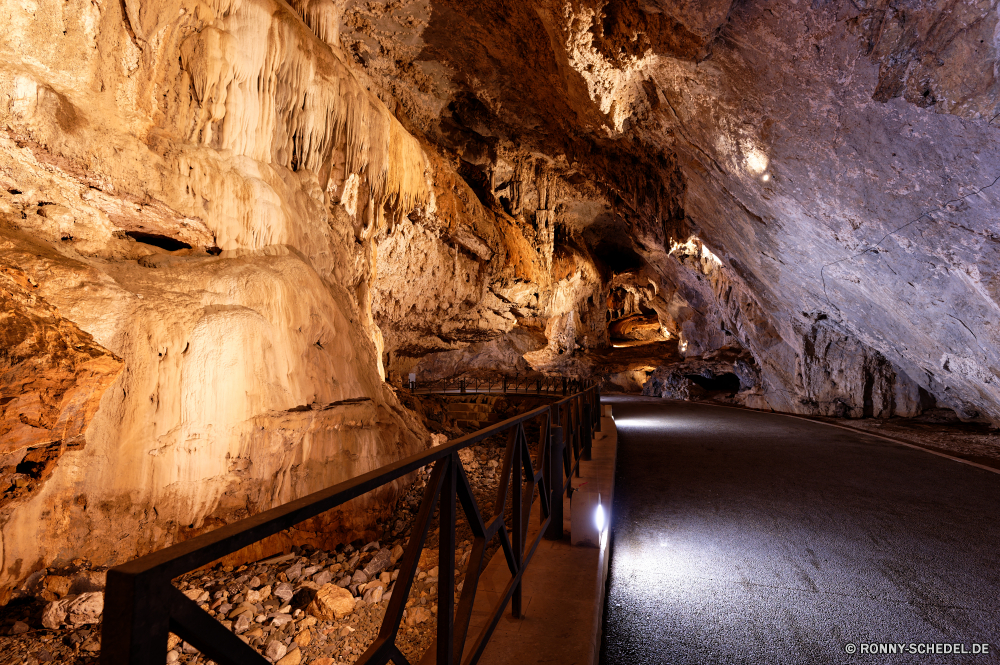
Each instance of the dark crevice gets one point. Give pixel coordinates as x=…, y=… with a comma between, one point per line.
x=163, y=242
x=728, y=382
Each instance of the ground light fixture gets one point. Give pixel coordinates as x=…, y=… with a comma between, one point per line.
x=601, y=521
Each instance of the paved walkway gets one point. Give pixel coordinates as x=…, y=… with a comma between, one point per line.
x=563, y=586
x=743, y=537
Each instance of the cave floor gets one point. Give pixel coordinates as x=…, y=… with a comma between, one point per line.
x=747, y=537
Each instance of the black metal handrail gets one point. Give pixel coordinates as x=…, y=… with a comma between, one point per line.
x=539, y=385
x=142, y=606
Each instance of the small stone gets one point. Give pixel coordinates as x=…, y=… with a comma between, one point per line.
x=242, y=608
x=55, y=612
x=379, y=562
x=173, y=656
x=323, y=577
x=254, y=582
x=19, y=628
x=359, y=577
x=397, y=552
x=385, y=578
x=417, y=615
x=294, y=572
x=344, y=581
x=284, y=592
x=323, y=661
x=332, y=602
x=58, y=584
x=280, y=619
x=275, y=650
x=293, y=657
x=197, y=595
x=345, y=631
x=242, y=623
x=93, y=643
x=310, y=571
x=303, y=638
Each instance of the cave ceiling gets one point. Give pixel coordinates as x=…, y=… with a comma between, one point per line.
x=838, y=158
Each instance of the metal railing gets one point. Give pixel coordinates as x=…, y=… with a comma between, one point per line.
x=539, y=385
x=142, y=606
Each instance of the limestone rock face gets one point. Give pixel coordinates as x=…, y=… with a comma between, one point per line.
x=225, y=224
x=835, y=161
x=188, y=197
x=52, y=378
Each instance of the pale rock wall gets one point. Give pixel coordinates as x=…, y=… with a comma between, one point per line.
x=243, y=371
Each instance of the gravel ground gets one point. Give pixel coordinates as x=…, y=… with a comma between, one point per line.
x=276, y=605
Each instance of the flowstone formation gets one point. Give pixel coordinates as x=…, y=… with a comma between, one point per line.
x=230, y=228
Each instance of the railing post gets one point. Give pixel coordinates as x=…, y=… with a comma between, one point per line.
x=446, y=563
x=597, y=408
x=554, y=472
x=461, y=385
x=517, y=521
x=587, y=430
x=135, y=624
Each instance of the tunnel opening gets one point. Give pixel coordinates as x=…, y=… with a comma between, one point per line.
x=724, y=383
x=630, y=318
x=618, y=257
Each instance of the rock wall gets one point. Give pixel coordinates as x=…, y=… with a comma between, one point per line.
x=190, y=193
x=224, y=223
x=826, y=194
x=217, y=241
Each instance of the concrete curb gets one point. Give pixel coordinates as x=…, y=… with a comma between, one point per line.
x=563, y=586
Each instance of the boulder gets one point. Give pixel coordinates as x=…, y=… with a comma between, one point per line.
x=331, y=602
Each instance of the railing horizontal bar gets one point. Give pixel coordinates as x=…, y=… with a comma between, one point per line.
x=190, y=554
x=185, y=617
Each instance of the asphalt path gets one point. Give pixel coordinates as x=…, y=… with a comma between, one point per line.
x=744, y=537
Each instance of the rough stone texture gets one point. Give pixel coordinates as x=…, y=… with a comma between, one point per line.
x=74, y=610
x=52, y=378
x=225, y=223
x=178, y=232
x=332, y=602
x=820, y=199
